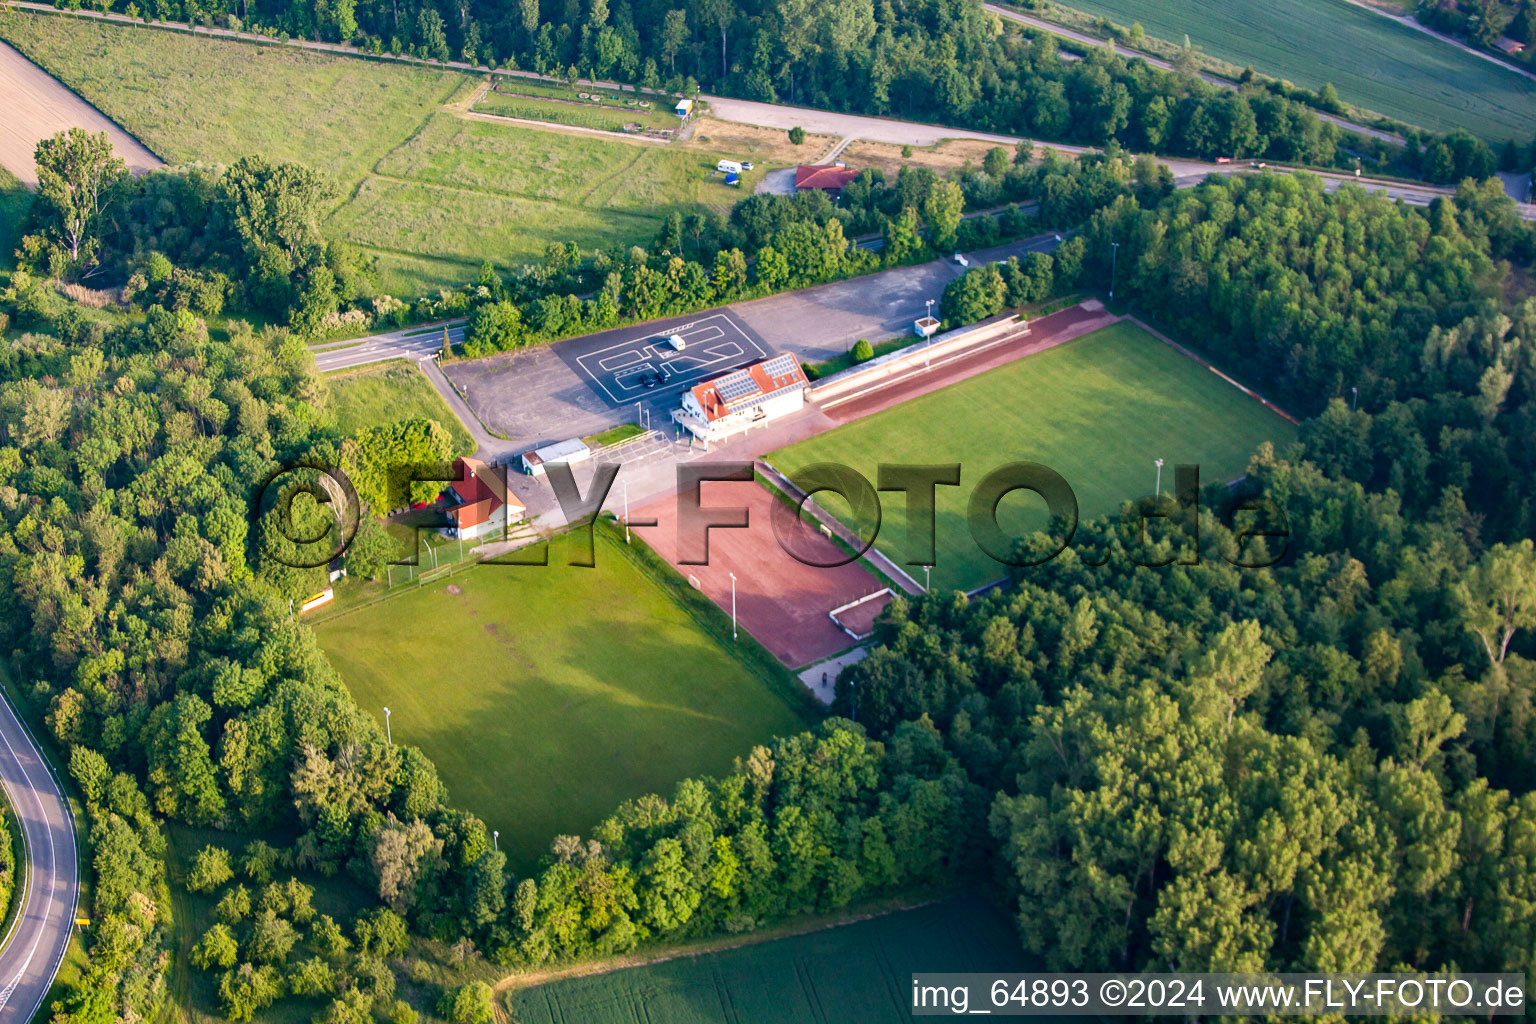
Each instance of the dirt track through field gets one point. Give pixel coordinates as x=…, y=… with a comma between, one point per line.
x=38, y=105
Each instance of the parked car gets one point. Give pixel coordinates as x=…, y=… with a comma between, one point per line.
x=676, y=342
x=746, y=165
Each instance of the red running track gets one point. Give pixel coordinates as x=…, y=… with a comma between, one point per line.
x=779, y=600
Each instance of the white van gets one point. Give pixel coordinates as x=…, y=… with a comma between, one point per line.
x=676, y=342
x=728, y=167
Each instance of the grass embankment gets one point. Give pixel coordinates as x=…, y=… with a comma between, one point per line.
x=388, y=393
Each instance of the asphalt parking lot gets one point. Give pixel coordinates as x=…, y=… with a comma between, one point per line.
x=631, y=368
x=580, y=386
x=823, y=322
x=583, y=385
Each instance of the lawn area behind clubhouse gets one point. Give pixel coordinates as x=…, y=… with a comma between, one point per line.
x=547, y=696
x=1097, y=410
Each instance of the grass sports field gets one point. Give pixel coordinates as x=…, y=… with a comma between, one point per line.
x=388, y=393
x=1097, y=410
x=1373, y=61
x=546, y=696
x=426, y=190
x=858, y=973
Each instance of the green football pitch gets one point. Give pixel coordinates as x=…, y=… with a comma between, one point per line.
x=854, y=974
x=1097, y=410
x=547, y=696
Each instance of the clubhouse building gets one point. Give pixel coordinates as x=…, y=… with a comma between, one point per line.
x=742, y=399
x=479, y=504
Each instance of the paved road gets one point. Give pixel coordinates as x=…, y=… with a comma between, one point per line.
x=406, y=343
x=35, y=946
x=1158, y=62
x=827, y=122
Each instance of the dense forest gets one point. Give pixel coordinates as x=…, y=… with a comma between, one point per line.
x=1323, y=763
x=1328, y=759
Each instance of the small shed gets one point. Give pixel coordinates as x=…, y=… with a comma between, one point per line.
x=561, y=451
x=684, y=108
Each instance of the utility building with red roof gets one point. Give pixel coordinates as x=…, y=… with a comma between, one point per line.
x=831, y=179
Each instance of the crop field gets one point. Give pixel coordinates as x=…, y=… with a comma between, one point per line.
x=429, y=192
x=388, y=393
x=1374, y=62
x=1097, y=410
x=857, y=973
x=546, y=696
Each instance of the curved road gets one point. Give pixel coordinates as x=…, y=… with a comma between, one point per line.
x=34, y=947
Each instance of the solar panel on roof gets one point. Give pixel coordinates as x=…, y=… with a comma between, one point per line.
x=737, y=385
x=779, y=366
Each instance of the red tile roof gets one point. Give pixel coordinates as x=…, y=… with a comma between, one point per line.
x=833, y=178
x=478, y=498
x=475, y=513
x=789, y=375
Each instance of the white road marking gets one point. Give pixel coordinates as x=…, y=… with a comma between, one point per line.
x=710, y=336
x=33, y=868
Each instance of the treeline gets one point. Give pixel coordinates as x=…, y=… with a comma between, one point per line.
x=246, y=237
x=1356, y=298
x=1315, y=297
x=809, y=823
x=1323, y=763
x=772, y=243
x=948, y=61
x=1483, y=22
x=149, y=623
